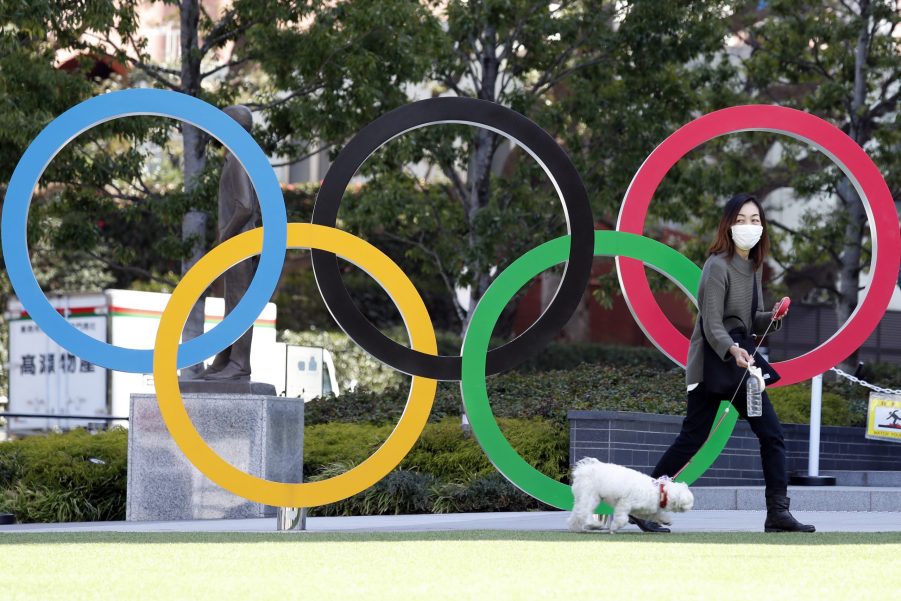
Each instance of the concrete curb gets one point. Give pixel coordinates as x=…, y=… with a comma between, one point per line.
x=826, y=498
x=538, y=521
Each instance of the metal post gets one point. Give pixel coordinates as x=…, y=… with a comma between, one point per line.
x=813, y=477
x=291, y=518
x=816, y=410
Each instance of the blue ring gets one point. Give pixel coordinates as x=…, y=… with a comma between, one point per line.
x=163, y=103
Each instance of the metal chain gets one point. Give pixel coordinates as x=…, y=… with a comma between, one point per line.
x=864, y=383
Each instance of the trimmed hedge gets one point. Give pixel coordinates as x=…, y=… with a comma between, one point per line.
x=445, y=472
x=445, y=452
x=405, y=492
x=552, y=394
x=442, y=450
x=792, y=404
x=567, y=355
x=71, y=477
x=340, y=443
x=548, y=395
x=356, y=366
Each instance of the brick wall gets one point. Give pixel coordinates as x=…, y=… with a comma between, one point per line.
x=637, y=440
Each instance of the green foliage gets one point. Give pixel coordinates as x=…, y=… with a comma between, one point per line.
x=443, y=450
x=566, y=355
x=342, y=64
x=445, y=471
x=354, y=365
x=547, y=395
x=400, y=492
x=53, y=478
x=301, y=307
x=792, y=404
x=837, y=60
x=491, y=492
x=885, y=375
x=327, y=445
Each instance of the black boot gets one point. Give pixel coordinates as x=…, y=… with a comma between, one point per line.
x=647, y=525
x=778, y=518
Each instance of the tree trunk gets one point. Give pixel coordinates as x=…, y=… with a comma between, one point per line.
x=478, y=177
x=194, y=223
x=851, y=252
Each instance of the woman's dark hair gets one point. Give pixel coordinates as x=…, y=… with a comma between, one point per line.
x=723, y=242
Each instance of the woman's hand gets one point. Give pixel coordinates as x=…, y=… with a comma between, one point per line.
x=742, y=358
x=781, y=308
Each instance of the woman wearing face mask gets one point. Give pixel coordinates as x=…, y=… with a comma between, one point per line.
x=725, y=299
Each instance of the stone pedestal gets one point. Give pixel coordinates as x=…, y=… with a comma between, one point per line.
x=261, y=435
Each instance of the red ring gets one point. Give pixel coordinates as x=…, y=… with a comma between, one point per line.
x=853, y=161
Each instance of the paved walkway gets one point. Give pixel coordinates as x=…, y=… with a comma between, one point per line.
x=694, y=521
x=803, y=498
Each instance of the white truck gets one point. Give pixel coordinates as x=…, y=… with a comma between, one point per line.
x=46, y=379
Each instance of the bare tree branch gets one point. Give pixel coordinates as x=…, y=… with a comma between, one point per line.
x=442, y=270
x=219, y=32
x=130, y=269
x=809, y=238
x=303, y=157
x=257, y=106
x=227, y=65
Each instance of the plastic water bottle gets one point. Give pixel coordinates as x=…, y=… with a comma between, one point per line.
x=755, y=401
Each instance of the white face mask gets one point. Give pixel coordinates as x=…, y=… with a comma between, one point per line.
x=746, y=236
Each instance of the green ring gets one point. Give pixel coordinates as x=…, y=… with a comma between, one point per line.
x=674, y=265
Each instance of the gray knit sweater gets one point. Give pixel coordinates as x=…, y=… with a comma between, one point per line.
x=724, y=302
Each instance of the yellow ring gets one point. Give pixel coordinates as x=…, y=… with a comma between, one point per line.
x=281, y=494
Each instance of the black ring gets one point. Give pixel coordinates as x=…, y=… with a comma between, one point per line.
x=542, y=147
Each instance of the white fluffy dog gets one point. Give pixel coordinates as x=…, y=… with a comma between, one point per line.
x=627, y=491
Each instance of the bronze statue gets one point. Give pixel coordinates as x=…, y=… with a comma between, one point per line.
x=239, y=211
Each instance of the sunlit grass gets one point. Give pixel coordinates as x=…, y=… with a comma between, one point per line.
x=447, y=565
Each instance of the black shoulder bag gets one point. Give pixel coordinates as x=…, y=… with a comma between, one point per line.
x=725, y=377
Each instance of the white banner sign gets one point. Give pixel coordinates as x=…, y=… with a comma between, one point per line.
x=46, y=378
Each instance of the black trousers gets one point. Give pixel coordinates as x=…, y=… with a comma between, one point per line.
x=699, y=418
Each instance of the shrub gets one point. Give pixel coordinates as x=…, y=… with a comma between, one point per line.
x=547, y=395
x=354, y=365
x=446, y=471
x=491, y=492
x=445, y=452
x=886, y=375
x=442, y=451
x=552, y=394
x=340, y=443
x=792, y=404
x=76, y=476
x=567, y=355
x=400, y=492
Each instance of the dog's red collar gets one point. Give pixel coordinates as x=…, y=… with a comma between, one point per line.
x=663, y=497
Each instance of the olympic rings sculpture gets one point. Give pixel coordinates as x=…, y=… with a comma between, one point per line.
x=632, y=252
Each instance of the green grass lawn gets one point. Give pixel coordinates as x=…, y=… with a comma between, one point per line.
x=554, y=566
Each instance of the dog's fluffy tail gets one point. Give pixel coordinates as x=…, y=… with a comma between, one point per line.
x=583, y=465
